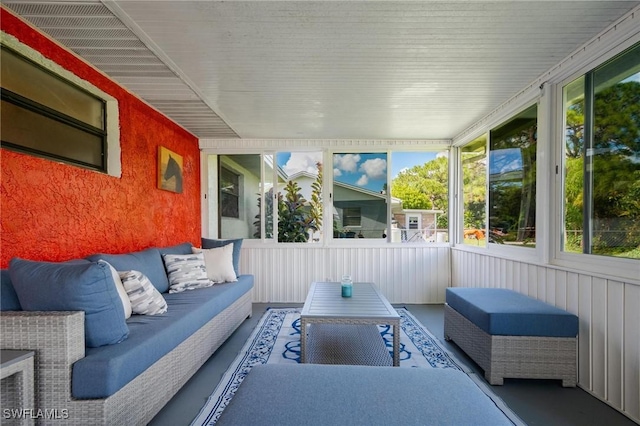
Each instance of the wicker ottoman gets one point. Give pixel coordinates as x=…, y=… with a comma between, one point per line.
x=510, y=335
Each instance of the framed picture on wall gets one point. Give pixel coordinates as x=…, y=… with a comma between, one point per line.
x=169, y=170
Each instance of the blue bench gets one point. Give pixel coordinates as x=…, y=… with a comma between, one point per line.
x=511, y=335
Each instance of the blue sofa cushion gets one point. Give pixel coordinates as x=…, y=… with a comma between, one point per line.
x=86, y=286
x=502, y=312
x=237, y=245
x=8, y=297
x=103, y=371
x=359, y=395
x=184, y=248
x=149, y=262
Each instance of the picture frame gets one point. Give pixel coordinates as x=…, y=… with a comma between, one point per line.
x=170, y=168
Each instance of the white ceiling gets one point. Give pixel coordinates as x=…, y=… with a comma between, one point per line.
x=324, y=69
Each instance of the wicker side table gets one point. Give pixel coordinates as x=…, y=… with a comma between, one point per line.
x=16, y=371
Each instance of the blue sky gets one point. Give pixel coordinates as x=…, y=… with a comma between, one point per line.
x=505, y=161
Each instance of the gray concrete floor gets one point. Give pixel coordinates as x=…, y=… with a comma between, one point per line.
x=537, y=402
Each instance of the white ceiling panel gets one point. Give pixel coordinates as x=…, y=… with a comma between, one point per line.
x=324, y=69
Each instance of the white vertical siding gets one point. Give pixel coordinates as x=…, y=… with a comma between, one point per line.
x=403, y=274
x=608, y=311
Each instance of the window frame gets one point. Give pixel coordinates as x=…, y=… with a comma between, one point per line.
x=112, y=151
x=210, y=207
x=515, y=252
x=618, y=267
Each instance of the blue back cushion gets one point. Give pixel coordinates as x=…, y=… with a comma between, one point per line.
x=184, y=248
x=237, y=245
x=503, y=312
x=103, y=371
x=73, y=286
x=149, y=262
x=8, y=297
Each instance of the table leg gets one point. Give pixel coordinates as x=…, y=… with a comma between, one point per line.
x=396, y=344
x=303, y=341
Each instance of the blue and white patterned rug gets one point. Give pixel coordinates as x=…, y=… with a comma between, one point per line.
x=276, y=339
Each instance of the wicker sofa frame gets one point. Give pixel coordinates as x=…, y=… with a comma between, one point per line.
x=57, y=338
x=525, y=357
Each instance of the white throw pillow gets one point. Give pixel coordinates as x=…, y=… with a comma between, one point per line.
x=145, y=299
x=124, y=298
x=186, y=272
x=219, y=263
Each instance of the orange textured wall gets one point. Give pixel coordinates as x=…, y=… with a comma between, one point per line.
x=52, y=211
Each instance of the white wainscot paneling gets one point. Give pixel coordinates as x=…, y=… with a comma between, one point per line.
x=608, y=311
x=403, y=274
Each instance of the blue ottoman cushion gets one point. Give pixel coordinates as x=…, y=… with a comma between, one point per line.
x=503, y=312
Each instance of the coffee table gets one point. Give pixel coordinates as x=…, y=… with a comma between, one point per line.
x=326, y=314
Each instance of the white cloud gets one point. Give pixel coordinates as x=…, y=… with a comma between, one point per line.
x=375, y=168
x=346, y=162
x=337, y=172
x=363, y=180
x=303, y=162
x=442, y=154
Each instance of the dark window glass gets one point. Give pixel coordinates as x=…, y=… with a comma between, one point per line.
x=44, y=115
x=474, y=191
x=512, y=180
x=229, y=194
x=602, y=159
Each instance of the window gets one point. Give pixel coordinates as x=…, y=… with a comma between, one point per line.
x=352, y=217
x=419, y=196
x=512, y=180
x=602, y=159
x=360, y=184
x=229, y=193
x=46, y=115
x=279, y=196
x=239, y=188
x=267, y=195
x=474, y=191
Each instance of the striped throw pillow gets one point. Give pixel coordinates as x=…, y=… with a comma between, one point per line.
x=186, y=272
x=145, y=299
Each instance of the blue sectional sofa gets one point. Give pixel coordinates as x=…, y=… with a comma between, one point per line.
x=127, y=382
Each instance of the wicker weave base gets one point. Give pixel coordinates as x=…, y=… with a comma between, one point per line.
x=525, y=357
x=58, y=341
x=347, y=344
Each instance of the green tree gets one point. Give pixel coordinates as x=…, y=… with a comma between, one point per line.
x=316, y=199
x=268, y=215
x=615, y=169
x=425, y=187
x=294, y=222
x=474, y=183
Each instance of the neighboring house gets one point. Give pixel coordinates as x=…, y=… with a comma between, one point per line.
x=417, y=225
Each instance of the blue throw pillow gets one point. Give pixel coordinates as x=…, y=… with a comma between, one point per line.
x=149, y=262
x=8, y=297
x=237, y=245
x=72, y=286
